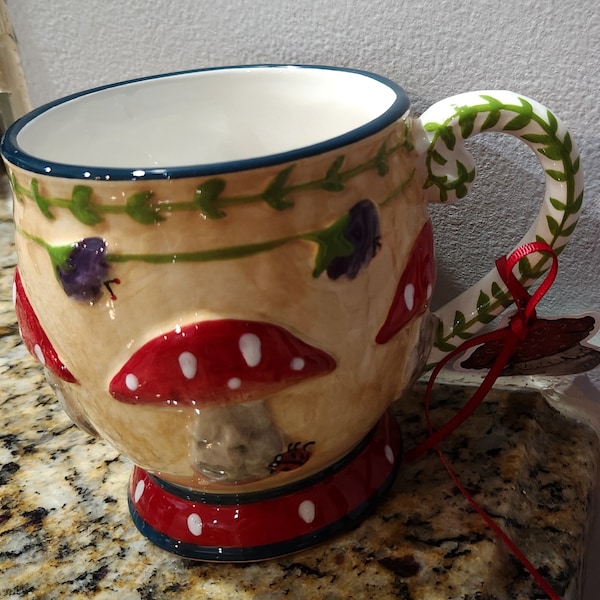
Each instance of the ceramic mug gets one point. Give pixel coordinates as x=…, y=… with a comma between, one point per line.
x=227, y=275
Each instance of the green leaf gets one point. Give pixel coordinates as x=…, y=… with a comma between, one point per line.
x=206, y=197
x=501, y=296
x=42, y=203
x=494, y=103
x=461, y=171
x=276, y=191
x=551, y=152
x=485, y=318
x=139, y=209
x=459, y=322
x=81, y=205
x=444, y=346
x=491, y=120
x=483, y=302
x=525, y=268
x=553, y=225
x=518, y=122
x=537, y=138
x=576, y=165
x=428, y=182
x=556, y=175
x=575, y=206
x=439, y=340
x=558, y=250
x=527, y=107
x=381, y=161
x=552, y=121
x=333, y=181
x=437, y=157
x=463, y=174
x=466, y=121
x=448, y=137
x=16, y=188
x=568, y=142
x=567, y=231
x=460, y=326
x=332, y=243
x=558, y=205
x=461, y=191
x=60, y=254
x=431, y=126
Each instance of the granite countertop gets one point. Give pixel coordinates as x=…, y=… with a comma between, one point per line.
x=65, y=530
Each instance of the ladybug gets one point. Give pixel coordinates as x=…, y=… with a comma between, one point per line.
x=293, y=458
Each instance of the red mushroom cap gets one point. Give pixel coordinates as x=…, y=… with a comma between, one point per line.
x=217, y=362
x=415, y=287
x=34, y=337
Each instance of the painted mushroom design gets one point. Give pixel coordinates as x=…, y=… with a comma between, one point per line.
x=551, y=347
x=224, y=370
x=33, y=335
x=415, y=287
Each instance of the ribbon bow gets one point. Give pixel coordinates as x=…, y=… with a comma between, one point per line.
x=512, y=335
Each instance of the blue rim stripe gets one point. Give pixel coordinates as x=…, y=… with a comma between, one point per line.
x=14, y=154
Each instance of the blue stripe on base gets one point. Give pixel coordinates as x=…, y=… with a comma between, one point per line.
x=267, y=551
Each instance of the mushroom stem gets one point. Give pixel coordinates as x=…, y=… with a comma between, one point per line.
x=235, y=443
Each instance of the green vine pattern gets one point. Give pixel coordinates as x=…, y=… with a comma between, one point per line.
x=331, y=243
x=543, y=135
x=209, y=197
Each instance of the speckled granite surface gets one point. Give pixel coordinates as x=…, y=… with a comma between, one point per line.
x=65, y=531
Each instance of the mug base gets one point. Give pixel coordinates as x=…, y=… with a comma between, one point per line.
x=271, y=523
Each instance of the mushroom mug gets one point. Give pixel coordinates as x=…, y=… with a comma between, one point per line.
x=227, y=275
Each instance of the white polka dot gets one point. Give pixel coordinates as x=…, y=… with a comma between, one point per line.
x=188, y=364
x=250, y=348
x=139, y=490
x=297, y=363
x=132, y=382
x=409, y=296
x=389, y=454
x=39, y=354
x=234, y=383
x=194, y=524
x=429, y=291
x=306, y=510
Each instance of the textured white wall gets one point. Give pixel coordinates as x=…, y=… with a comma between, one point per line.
x=548, y=50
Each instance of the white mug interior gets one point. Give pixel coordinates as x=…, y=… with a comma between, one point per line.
x=208, y=116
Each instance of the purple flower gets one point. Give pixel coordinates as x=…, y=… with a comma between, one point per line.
x=83, y=273
x=363, y=232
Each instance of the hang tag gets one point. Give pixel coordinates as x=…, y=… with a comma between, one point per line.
x=553, y=346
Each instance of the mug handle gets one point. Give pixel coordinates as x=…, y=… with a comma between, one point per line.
x=449, y=172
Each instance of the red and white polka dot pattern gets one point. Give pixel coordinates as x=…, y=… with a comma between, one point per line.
x=34, y=337
x=217, y=362
x=414, y=290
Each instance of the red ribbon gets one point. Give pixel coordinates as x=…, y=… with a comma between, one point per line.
x=512, y=335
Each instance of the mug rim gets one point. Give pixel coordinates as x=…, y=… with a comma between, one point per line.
x=14, y=154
